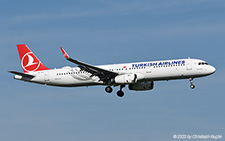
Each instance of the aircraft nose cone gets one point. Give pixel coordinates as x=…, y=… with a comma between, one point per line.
x=212, y=69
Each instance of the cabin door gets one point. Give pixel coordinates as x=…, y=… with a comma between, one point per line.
x=189, y=64
x=46, y=77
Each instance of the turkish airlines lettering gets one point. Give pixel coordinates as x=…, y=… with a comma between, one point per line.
x=138, y=76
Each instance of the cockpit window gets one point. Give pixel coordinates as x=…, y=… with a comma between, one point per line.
x=202, y=63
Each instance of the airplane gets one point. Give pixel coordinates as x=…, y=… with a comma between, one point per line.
x=139, y=76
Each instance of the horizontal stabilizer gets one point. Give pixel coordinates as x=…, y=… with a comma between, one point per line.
x=22, y=74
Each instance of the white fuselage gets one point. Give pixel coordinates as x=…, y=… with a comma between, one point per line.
x=150, y=71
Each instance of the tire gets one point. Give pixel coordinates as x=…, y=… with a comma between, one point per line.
x=108, y=89
x=192, y=86
x=120, y=93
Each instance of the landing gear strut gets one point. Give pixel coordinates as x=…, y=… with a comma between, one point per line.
x=192, y=86
x=108, y=89
x=120, y=93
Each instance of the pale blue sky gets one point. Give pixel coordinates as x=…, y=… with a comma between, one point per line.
x=112, y=31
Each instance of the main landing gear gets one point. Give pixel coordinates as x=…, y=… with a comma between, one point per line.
x=192, y=86
x=108, y=89
x=120, y=93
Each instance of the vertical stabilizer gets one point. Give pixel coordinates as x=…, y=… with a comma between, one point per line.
x=29, y=61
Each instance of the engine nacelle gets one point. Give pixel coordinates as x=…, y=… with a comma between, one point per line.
x=126, y=79
x=142, y=86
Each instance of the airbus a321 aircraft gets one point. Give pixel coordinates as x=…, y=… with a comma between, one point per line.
x=138, y=76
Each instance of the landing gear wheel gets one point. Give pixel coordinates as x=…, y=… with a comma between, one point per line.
x=120, y=93
x=108, y=89
x=192, y=86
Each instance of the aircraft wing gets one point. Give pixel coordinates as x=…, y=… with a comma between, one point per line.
x=104, y=75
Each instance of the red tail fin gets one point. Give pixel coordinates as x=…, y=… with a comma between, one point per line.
x=29, y=61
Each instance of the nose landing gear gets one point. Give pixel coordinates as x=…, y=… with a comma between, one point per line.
x=192, y=86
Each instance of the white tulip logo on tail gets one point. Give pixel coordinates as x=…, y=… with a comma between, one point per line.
x=29, y=62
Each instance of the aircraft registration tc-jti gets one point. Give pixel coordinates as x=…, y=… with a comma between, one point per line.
x=138, y=76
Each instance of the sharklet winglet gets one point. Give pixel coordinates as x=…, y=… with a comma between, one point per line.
x=64, y=53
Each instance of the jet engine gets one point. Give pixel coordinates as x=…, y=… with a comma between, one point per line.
x=143, y=86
